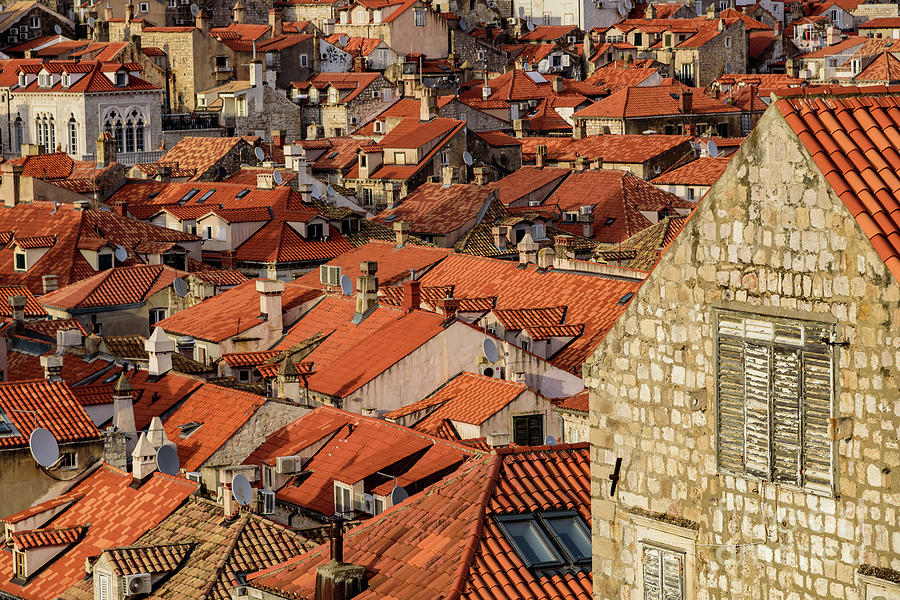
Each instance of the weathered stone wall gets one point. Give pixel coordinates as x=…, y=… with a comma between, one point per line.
x=716, y=55
x=277, y=113
x=271, y=416
x=477, y=53
x=769, y=238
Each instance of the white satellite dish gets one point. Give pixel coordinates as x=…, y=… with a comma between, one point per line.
x=489, y=349
x=550, y=441
x=57, y=29
x=346, y=285
x=463, y=25
x=712, y=149
x=91, y=22
x=181, y=287
x=241, y=490
x=398, y=495
x=467, y=158
x=628, y=4
x=44, y=448
x=277, y=178
x=329, y=190
x=530, y=26
x=121, y=254
x=544, y=66
x=195, y=10
x=621, y=7
x=167, y=460
x=260, y=155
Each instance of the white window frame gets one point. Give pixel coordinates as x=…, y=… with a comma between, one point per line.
x=304, y=61
x=35, y=22
x=155, y=315
x=671, y=538
x=68, y=461
x=419, y=15
x=144, y=7
x=104, y=585
x=16, y=255
x=346, y=491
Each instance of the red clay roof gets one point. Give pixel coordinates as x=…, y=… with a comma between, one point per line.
x=447, y=539
x=114, y=287
x=201, y=153
x=580, y=402
x=33, y=308
x=610, y=148
x=855, y=143
x=884, y=69
x=881, y=22
x=548, y=33
x=204, y=406
x=702, y=171
x=58, y=411
x=435, y=209
x=636, y=102
x=39, y=538
x=118, y=515
x=591, y=300
x=526, y=180
x=516, y=319
x=616, y=78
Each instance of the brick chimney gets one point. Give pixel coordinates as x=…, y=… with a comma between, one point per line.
x=123, y=405
x=52, y=365
x=366, y=290
x=412, y=295
x=277, y=138
x=270, y=291
x=540, y=155
x=686, y=102
x=276, y=21
x=336, y=580
x=449, y=307
x=499, y=232
x=160, y=348
x=401, y=230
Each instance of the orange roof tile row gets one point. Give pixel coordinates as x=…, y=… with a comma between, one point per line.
x=114, y=287
x=662, y=100
x=33, y=308
x=436, y=209
x=51, y=405
x=702, y=171
x=515, y=319
x=39, y=538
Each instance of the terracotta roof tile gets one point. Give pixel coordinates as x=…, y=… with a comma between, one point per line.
x=702, y=171
x=39, y=538
x=201, y=154
x=437, y=210
x=57, y=409
x=610, y=148
x=114, y=287
x=616, y=78
x=33, y=309
x=635, y=102
x=579, y=402
x=164, y=558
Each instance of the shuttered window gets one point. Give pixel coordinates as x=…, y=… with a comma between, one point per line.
x=663, y=574
x=775, y=394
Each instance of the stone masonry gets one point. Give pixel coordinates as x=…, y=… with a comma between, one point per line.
x=769, y=238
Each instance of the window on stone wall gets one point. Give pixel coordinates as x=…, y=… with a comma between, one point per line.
x=775, y=395
x=663, y=573
x=419, y=16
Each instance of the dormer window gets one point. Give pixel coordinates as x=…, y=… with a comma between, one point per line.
x=66, y=80
x=378, y=127
x=44, y=80
x=20, y=261
x=21, y=79
x=121, y=78
x=7, y=429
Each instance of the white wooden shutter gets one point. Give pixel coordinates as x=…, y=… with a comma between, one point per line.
x=672, y=575
x=757, y=388
x=818, y=400
x=786, y=415
x=652, y=574
x=730, y=392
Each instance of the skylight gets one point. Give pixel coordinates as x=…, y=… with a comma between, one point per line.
x=242, y=193
x=536, y=77
x=332, y=155
x=188, y=428
x=206, y=196
x=624, y=299
x=549, y=542
x=188, y=196
x=609, y=221
x=7, y=429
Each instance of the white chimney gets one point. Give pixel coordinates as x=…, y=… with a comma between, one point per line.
x=143, y=458
x=67, y=338
x=256, y=73
x=52, y=364
x=156, y=435
x=123, y=406
x=270, y=291
x=160, y=348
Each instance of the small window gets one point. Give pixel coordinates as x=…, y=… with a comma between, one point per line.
x=399, y=158
x=68, y=460
x=663, y=573
x=549, y=543
x=188, y=428
x=690, y=193
x=528, y=430
x=531, y=543
x=420, y=17
x=157, y=315
x=221, y=62
x=242, y=193
x=121, y=78
x=35, y=22
x=304, y=61
x=103, y=591
x=270, y=59
x=572, y=535
x=314, y=231
x=377, y=127
x=144, y=7
x=105, y=261
x=21, y=573
x=343, y=499
x=188, y=196
x=20, y=261
x=243, y=375
x=205, y=196
x=538, y=232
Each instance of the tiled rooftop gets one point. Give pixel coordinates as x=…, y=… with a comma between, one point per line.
x=438, y=210
x=57, y=411
x=114, y=287
x=702, y=171
x=33, y=308
x=663, y=100
x=200, y=154
x=39, y=538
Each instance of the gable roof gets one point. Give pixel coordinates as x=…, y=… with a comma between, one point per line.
x=446, y=538
x=200, y=154
x=662, y=100
x=33, y=308
x=610, y=148
x=855, y=143
x=436, y=209
x=526, y=180
x=705, y=170
x=884, y=69
x=57, y=409
x=113, y=287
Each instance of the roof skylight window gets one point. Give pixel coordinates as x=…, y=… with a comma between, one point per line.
x=550, y=542
x=609, y=221
x=624, y=299
x=206, y=196
x=188, y=428
x=7, y=429
x=242, y=193
x=188, y=196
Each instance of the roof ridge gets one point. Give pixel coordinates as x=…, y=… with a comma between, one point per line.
x=217, y=570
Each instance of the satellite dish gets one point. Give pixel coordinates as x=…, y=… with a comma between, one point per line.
x=346, y=285
x=530, y=26
x=91, y=22
x=260, y=155
x=44, y=448
x=329, y=190
x=628, y=4
x=276, y=176
x=57, y=29
x=467, y=158
x=167, y=460
x=712, y=149
x=181, y=287
x=463, y=25
x=398, y=495
x=489, y=349
x=121, y=254
x=621, y=7
x=550, y=441
x=544, y=66
x=241, y=490
x=195, y=10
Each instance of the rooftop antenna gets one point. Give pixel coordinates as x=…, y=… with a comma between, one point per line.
x=241, y=490
x=181, y=288
x=44, y=448
x=346, y=285
x=167, y=460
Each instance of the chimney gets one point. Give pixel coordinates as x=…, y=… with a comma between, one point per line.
x=528, y=250
x=276, y=21
x=270, y=291
x=359, y=64
x=486, y=91
x=123, y=406
x=143, y=459
x=428, y=105
x=686, y=102
x=288, y=380
x=580, y=163
x=366, y=290
x=832, y=35
x=160, y=348
x=586, y=218
x=52, y=364
x=557, y=84
x=481, y=175
x=50, y=283
x=201, y=22
x=448, y=174
x=499, y=232
x=578, y=130
x=412, y=295
x=540, y=155
x=336, y=580
x=520, y=127
x=107, y=13
x=277, y=138
x=15, y=178
x=265, y=181
x=650, y=11
x=92, y=345
x=401, y=230
x=106, y=149
x=449, y=307
x=238, y=12
x=17, y=304
x=129, y=12
x=561, y=244
x=229, y=505
x=256, y=73
x=163, y=173
x=721, y=24
x=67, y=338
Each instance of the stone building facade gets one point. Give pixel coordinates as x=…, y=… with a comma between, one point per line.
x=276, y=113
x=770, y=251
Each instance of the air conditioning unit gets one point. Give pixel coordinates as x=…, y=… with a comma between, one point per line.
x=288, y=464
x=239, y=591
x=571, y=39
x=329, y=275
x=193, y=476
x=133, y=585
x=266, y=502
x=369, y=504
x=491, y=371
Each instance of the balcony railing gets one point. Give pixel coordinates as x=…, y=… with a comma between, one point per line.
x=179, y=122
x=130, y=159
